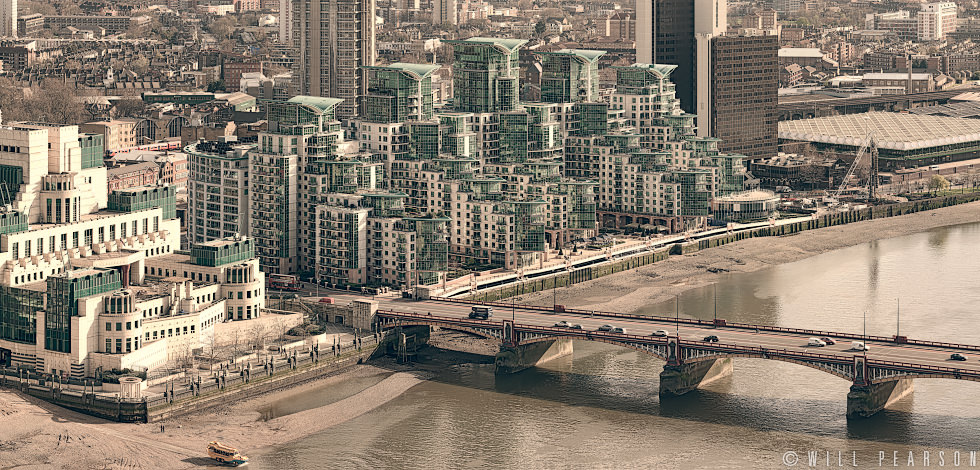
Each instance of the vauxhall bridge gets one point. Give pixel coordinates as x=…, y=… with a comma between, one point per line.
x=880, y=375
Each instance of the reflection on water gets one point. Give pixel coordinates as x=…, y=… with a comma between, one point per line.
x=600, y=407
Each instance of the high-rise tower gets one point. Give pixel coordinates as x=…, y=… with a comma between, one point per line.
x=333, y=39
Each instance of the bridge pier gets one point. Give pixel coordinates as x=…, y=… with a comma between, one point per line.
x=866, y=400
x=513, y=359
x=682, y=378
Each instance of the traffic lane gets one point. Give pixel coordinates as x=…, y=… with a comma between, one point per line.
x=766, y=340
x=772, y=340
x=648, y=326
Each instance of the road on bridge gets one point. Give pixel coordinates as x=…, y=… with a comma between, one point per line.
x=879, y=350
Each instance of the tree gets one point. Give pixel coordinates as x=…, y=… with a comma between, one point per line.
x=539, y=28
x=130, y=108
x=937, y=183
x=222, y=27
x=216, y=86
x=140, y=65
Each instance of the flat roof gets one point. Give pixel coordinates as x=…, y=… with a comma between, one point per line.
x=800, y=52
x=894, y=131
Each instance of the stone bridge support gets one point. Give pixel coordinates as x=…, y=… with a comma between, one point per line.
x=512, y=359
x=866, y=400
x=682, y=378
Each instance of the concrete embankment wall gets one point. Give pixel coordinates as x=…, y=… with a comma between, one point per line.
x=589, y=273
x=258, y=385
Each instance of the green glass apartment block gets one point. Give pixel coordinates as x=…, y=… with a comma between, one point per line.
x=424, y=140
x=570, y=76
x=13, y=222
x=486, y=74
x=222, y=252
x=514, y=137
x=93, y=150
x=583, y=204
x=63, y=293
x=18, y=314
x=302, y=115
x=458, y=138
x=386, y=204
x=140, y=198
x=529, y=222
x=399, y=92
x=695, y=191
x=432, y=246
x=593, y=118
x=644, y=79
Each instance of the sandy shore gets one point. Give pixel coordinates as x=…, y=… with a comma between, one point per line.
x=629, y=291
x=36, y=434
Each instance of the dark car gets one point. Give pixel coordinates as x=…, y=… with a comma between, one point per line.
x=829, y=341
x=711, y=339
x=575, y=326
x=605, y=328
x=957, y=357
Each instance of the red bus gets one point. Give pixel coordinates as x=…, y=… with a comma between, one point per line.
x=282, y=282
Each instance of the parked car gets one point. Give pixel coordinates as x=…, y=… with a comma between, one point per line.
x=660, y=333
x=817, y=342
x=957, y=357
x=561, y=324
x=606, y=327
x=829, y=341
x=710, y=339
x=618, y=330
x=859, y=346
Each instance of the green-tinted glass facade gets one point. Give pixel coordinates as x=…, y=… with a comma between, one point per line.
x=137, y=199
x=11, y=177
x=570, y=76
x=18, y=314
x=93, y=150
x=221, y=252
x=399, y=92
x=486, y=74
x=63, y=293
x=13, y=222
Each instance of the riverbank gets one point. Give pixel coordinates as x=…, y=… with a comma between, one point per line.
x=34, y=432
x=631, y=291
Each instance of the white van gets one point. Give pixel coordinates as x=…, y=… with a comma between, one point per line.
x=859, y=346
x=816, y=342
x=933, y=167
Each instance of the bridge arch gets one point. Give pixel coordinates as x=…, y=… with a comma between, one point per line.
x=487, y=333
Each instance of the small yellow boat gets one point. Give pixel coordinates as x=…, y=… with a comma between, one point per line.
x=226, y=454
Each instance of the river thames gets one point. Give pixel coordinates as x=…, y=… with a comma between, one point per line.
x=600, y=407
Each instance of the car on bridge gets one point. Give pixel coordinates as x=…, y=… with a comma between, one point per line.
x=829, y=341
x=561, y=324
x=817, y=342
x=659, y=333
x=859, y=346
x=710, y=339
x=481, y=313
x=957, y=357
x=619, y=330
x=606, y=327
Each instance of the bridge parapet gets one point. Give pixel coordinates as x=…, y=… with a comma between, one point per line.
x=876, y=383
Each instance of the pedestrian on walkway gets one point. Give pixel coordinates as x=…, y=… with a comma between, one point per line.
x=161, y=428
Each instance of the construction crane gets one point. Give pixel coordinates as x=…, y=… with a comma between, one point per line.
x=870, y=147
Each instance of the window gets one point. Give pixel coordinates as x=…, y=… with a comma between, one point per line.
x=118, y=345
x=118, y=326
x=129, y=325
x=108, y=326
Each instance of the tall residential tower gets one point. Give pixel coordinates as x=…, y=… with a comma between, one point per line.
x=333, y=39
